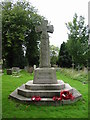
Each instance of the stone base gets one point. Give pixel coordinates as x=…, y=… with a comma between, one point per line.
x=45, y=91
x=42, y=93
x=30, y=86
x=45, y=76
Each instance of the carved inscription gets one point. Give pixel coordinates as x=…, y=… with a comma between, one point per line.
x=44, y=75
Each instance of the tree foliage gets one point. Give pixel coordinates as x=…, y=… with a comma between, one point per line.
x=64, y=58
x=77, y=43
x=18, y=30
x=54, y=54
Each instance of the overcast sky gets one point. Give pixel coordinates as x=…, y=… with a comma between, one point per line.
x=59, y=12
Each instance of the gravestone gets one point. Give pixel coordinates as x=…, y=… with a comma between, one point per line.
x=26, y=68
x=30, y=70
x=44, y=74
x=78, y=68
x=34, y=67
x=15, y=71
x=9, y=71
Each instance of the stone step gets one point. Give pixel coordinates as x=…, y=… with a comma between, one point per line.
x=45, y=101
x=60, y=85
x=42, y=93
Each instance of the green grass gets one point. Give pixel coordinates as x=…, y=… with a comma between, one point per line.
x=13, y=109
x=80, y=75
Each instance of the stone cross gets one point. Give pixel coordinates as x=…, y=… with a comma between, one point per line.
x=44, y=28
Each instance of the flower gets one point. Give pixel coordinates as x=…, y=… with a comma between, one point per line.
x=36, y=98
x=55, y=98
x=64, y=95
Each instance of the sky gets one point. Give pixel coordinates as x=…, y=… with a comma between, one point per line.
x=59, y=12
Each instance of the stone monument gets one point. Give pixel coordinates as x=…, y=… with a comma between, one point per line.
x=45, y=83
x=45, y=74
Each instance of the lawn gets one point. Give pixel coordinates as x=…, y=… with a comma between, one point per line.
x=13, y=109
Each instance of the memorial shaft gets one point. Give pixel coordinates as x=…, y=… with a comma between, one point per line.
x=44, y=46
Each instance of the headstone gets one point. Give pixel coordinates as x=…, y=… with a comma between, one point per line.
x=78, y=67
x=15, y=71
x=30, y=70
x=34, y=67
x=25, y=68
x=9, y=71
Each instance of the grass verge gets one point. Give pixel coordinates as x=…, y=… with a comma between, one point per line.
x=12, y=109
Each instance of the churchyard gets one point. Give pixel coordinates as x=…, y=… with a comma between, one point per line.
x=14, y=109
x=35, y=86
x=45, y=88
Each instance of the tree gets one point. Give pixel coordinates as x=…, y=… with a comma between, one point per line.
x=77, y=43
x=53, y=54
x=32, y=47
x=32, y=41
x=18, y=23
x=64, y=58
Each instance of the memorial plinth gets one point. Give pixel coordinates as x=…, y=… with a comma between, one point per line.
x=45, y=76
x=45, y=83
